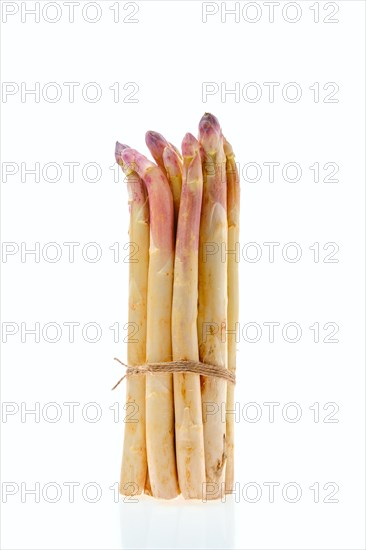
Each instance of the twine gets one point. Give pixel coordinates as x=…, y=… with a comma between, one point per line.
x=191, y=367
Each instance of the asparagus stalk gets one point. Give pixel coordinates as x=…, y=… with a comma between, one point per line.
x=170, y=161
x=233, y=214
x=173, y=168
x=212, y=296
x=156, y=144
x=187, y=391
x=159, y=387
x=148, y=484
x=177, y=151
x=134, y=461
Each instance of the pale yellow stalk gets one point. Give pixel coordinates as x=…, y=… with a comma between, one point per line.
x=147, y=490
x=173, y=168
x=187, y=390
x=212, y=297
x=159, y=387
x=134, y=461
x=233, y=216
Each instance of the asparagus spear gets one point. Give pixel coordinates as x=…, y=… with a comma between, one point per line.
x=156, y=144
x=159, y=387
x=134, y=461
x=147, y=490
x=177, y=151
x=170, y=161
x=173, y=168
x=233, y=211
x=187, y=391
x=212, y=295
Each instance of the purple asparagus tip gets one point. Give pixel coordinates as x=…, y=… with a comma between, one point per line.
x=118, y=151
x=156, y=144
x=209, y=133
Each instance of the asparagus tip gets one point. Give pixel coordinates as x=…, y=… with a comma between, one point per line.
x=176, y=150
x=136, y=161
x=209, y=121
x=190, y=145
x=118, y=151
x=156, y=143
x=128, y=156
x=170, y=155
x=210, y=133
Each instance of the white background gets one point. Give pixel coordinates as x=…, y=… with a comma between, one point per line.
x=169, y=53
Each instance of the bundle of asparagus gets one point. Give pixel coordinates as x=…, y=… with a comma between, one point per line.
x=183, y=295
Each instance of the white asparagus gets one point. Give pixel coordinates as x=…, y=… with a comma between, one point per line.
x=187, y=390
x=156, y=144
x=159, y=387
x=134, y=460
x=147, y=490
x=173, y=169
x=212, y=298
x=233, y=217
x=168, y=157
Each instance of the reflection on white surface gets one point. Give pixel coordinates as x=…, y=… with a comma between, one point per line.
x=151, y=523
